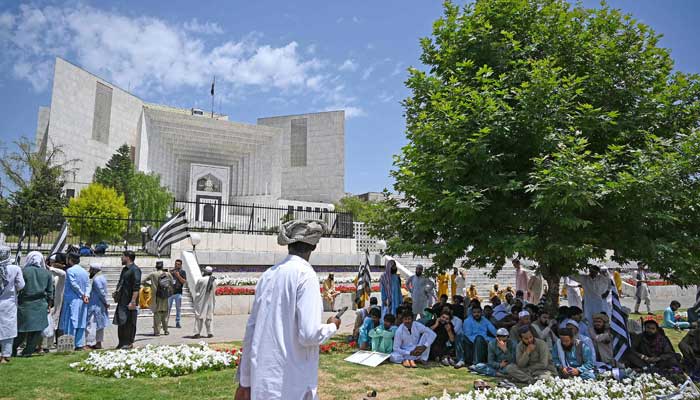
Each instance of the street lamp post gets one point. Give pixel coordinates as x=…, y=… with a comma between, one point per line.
x=143, y=237
x=195, y=239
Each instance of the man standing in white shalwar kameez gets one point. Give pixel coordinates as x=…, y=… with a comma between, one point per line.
x=11, y=282
x=422, y=291
x=596, y=287
x=58, y=270
x=284, y=330
x=412, y=342
x=204, y=302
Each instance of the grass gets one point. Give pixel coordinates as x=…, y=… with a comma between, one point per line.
x=50, y=377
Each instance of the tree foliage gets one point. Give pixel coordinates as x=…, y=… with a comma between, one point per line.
x=118, y=172
x=148, y=200
x=550, y=132
x=35, y=179
x=102, y=214
x=361, y=210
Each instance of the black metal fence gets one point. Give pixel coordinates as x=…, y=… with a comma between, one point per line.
x=38, y=231
x=214, y=216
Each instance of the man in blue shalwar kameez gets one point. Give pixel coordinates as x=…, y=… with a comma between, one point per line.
x=76, y=296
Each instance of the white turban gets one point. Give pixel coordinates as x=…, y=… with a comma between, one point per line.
x=209, y=269
x=5, y=255
x=523, y=314
x=96, y=266
x=307, y=231
x=35, y=258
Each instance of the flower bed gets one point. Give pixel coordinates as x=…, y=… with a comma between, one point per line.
x=229, y=280
x=633, y=282
x=640, y=388
x=337, y=347
x=156, y=361
x=238, y=290
x=234, y=291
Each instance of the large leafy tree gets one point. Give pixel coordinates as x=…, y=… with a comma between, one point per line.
x=118, y=171
x=148, y=200
x=99, y=214
x=143, y=193
x=35, y=178
x=551, y=132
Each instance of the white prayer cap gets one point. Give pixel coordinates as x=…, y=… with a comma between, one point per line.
x=572, y=322
x=209, y=269
x=502, y=332
x=523, y=314
x=307, y=231
x=96, y=266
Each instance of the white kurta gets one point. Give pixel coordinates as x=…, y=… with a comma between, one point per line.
x=284, y=331
x=422, y=290
x=593, y=290
x=204, y=302
x=59, y=283
x=461, y=286
x=573, y=293
x=8, y=302
x=405, y=342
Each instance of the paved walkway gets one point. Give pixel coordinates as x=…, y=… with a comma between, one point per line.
x=226, y=328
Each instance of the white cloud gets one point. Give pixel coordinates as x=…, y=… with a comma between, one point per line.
x=311, y=49
x=206, y=28
x=339, y=20
x=348, y=65
x=385, y=97
x=398, y=69
x=367, y=72
x=355, y=20
x=352, y=112
x=370, y=46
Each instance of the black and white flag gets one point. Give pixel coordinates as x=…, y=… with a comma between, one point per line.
x=364, y=281
x=18, y=256
x=60, y=242
x=618, y=326
x=173, y=231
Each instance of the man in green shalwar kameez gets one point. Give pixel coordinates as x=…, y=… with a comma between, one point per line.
x=34, y=301
x=383, y=335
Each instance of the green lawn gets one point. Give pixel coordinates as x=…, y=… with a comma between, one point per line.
x=49, y=377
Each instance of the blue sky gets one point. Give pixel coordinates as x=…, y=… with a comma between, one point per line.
x=287, y=58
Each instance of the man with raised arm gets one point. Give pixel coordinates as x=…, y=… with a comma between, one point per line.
x=284, y=330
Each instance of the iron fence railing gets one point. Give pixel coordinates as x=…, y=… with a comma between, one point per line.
x=213, y=216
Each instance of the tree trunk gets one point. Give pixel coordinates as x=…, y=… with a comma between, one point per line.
x=552, y=304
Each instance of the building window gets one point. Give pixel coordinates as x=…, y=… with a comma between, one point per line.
x=102, y=114
x=70, y=193
x=298, y=143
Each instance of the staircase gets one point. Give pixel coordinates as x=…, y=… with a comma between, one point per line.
x=111, y=272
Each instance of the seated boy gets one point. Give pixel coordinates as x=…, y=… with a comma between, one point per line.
x=368, y=325
x=383, y=335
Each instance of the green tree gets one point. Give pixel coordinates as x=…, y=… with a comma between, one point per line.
x=148, y=200
x=118, y=172
x=100, y=214
x=35, y=179
x=550, y=132
x=360, y=210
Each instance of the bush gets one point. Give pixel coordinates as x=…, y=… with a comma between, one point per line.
x=100, y=214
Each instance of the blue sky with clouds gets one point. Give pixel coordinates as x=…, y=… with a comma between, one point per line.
x=270, y=58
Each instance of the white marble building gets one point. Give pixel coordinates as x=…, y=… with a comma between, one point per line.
x=200, y=157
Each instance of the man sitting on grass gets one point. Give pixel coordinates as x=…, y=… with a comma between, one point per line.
x=445, y=337
x=690, y=348
x=370, y=323
x=476, y=333
x=533, y=359
x=383, y=336
x=602, y=338
x=523, y=320
x=411, y=342
x=501, y=356
x=653, y=349
x=573, y=357
x=670, y=317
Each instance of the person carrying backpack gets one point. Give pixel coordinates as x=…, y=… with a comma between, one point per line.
x=162, y=286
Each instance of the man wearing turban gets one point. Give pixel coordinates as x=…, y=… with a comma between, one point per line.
x=284, y=329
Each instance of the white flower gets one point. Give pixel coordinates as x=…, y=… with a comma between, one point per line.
x=155, y=361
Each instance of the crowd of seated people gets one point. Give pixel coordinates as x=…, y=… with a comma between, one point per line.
x=522, y=342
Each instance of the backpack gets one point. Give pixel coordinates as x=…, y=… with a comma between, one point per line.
x=165, y=286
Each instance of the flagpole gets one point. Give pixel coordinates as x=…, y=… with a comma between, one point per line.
x=212, y=96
